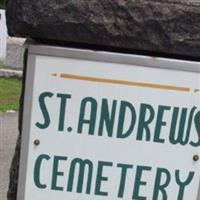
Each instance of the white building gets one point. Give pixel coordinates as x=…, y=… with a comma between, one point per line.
x=3, y=36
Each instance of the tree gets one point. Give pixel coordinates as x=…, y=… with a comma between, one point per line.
x=2, y=3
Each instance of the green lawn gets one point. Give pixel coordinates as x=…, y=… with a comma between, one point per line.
x=1, y=65
x=10, y=90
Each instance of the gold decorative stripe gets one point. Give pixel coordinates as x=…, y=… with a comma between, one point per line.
x=196, y=90
x=122, y=82
x=54, y=74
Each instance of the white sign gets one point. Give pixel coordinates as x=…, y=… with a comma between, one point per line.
x=108, y=126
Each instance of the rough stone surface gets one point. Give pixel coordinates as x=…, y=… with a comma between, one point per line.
x=7, y=73
x=165, y=26
x=14, y=169
x=14, y=53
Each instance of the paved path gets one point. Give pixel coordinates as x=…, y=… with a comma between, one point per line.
x=8, y=137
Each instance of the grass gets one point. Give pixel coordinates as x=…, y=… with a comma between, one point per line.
x=1, y=65
x=10, y=90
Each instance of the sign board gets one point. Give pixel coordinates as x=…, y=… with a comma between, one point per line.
x=109, y=126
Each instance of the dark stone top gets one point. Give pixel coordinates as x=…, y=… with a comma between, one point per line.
x=160, y=26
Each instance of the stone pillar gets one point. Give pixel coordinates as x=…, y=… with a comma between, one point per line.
x=14, y=169
x=155, y=27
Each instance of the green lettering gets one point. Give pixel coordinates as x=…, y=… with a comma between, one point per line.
x=182, y=185
x=82, y=164
x=63, y=100
x=197, y=126
x=144, y=123
x=158, y=187
x=160, y=123
x=139, y=182
x=56, y=173
x=107, y=118
x=100, y=178
x=124, y=169
x=37, y=171
x=122, y=114
x=180, y=137
x=92, y=118
x=44, y=110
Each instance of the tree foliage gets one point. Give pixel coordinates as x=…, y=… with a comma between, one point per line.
x=2, y=3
